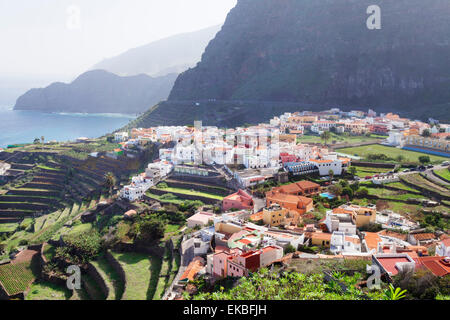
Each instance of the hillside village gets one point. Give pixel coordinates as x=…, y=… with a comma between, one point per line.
x=210, y=205
x=251, y=232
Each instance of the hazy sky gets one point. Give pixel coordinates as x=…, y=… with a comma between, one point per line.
x=46, y=37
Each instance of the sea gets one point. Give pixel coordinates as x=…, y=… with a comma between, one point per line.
x=18, y=126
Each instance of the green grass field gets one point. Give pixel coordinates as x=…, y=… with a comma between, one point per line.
x=338, y=138
x=48, y=291
x=409, y=156
x=192, y=193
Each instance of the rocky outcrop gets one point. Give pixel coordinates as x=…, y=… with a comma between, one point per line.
x=321, y=52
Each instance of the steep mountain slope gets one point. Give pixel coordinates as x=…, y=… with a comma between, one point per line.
x=99, y=91
x=321, y=52
x=171, y=55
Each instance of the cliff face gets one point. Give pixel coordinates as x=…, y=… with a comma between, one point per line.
x=321, y=52
x=99, y=92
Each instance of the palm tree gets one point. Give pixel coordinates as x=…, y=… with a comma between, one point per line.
x=325, y=136
x=394, y=293
x=110, y=181
x=331, y=174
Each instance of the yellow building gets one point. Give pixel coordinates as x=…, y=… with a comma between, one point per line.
x=228, y=228
x=361, y=216
x=276, y=216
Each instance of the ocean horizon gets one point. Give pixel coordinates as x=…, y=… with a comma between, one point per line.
x=23, y=126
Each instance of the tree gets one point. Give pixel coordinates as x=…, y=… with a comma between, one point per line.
x=352, y=170
x=336, y=190
x=325, y=136
x=110, y=181
x=150, y=230
x=36, y=141
x=289, y=249
x=355, y=186
x=424, y=159
x=400, y=158
x=426, y=133
x=331, y=174
x=347, y=191
x=362, y=193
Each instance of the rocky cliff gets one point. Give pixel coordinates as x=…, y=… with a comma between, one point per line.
x=321, y=52
x=99, y=91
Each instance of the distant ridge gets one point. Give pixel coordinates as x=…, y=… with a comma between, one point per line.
x=99, y=91
x=170, y=55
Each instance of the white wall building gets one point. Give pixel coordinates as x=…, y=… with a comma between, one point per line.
x=121, y=136
x=443, y=248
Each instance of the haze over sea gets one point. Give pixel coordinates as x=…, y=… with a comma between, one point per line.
x=18, y=126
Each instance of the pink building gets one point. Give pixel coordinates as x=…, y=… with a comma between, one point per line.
x=286, y=158
x=240, y=200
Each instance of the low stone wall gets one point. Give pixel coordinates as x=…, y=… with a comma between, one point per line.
x=373, y=164
x=94, y=274
x=25, y=199
x=117, y=268
x=32, y=185
x=132, y=247
x=35, y=193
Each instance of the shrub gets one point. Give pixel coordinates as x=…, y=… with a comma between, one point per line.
x=80, y=248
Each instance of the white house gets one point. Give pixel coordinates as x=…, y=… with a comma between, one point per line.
x=443, y=248
x=395, y=138
x=341, y=243
x=341, y=222
x=200, y=219
x=136, y=190
x=120, y=136
x=4, y=167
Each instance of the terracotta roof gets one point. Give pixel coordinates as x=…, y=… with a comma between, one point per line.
x=392, y=234
x=321, y=236
x=372, y=239
x=193, y=268
x=437, y=265
x=424, y=236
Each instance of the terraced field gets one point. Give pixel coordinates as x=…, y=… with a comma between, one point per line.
x=16, y=277
x=169, y=270
x=443, y=173
x=112, y=279
x=419, y=182
x=141, y=272
x=408, y=156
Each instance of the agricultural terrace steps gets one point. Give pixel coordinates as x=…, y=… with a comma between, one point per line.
x=445, y=181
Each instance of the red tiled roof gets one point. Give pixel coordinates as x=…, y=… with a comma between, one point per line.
x=424, y=236
x=389, y=263
x=437, y=265
x=193, y=268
